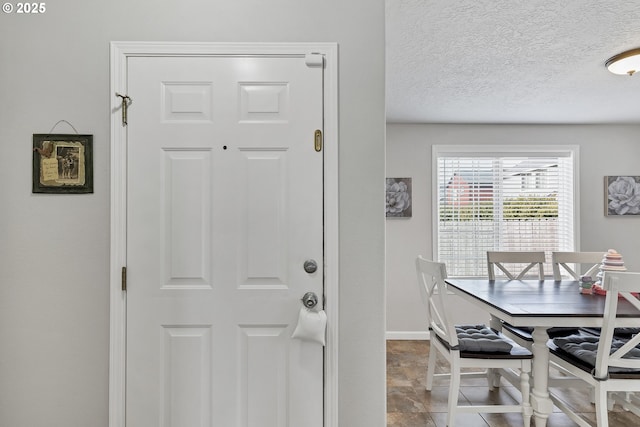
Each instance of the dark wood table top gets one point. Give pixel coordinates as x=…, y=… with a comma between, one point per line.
x=552, y=302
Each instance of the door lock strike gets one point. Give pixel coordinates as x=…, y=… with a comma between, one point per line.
x=317, y=140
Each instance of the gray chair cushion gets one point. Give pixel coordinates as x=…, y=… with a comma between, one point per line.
x=481, y=339
x=585, y=347
x=623, y=333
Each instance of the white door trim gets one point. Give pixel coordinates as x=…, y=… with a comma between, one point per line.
x=120, y=52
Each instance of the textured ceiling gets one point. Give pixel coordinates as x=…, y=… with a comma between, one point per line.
x=510, y=61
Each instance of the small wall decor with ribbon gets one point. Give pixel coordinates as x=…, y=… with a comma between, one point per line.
x=62, y=163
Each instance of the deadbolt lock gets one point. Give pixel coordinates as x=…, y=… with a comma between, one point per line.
x=310, y=266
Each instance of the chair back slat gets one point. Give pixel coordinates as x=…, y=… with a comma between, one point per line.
x=563, y=259
x=431, y=279
x=618, y=285
x=616, y=357
x=531, y=259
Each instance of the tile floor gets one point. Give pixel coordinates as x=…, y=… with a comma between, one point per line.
x=410, y=405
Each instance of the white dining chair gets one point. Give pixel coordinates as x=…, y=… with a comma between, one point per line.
x=607, y=363
x=572, y=261
x=468, y=346
x=524, y=261
x=515, y=266
x=592, y=260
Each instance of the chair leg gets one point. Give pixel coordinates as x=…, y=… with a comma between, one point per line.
x=454, y=391
x=602, y=413
x=493, y=378
x=627, y=397
x=431, y=367
x=525, y=387
x=610, y=402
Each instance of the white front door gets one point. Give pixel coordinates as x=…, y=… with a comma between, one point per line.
x=224, y=206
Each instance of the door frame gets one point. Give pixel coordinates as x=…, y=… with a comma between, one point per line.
x=120, y=52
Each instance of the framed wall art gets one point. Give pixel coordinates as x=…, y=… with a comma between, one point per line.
x=62, y=163
x=398, y=198
x=622, y=195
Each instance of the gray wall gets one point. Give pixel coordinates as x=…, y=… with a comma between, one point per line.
x=604, y=150
x=54, y=249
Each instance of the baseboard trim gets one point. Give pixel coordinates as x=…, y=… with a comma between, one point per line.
x=407, y=335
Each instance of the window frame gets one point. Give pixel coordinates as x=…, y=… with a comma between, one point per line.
x=441, y=150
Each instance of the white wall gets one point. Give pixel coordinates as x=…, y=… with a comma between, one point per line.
x=54, y=249
x=604, y=150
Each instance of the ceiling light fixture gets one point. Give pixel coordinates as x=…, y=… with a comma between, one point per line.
x=624, y=63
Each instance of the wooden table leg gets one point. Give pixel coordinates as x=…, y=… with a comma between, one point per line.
x=540, y=400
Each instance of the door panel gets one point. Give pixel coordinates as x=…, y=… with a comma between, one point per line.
x=224, y=205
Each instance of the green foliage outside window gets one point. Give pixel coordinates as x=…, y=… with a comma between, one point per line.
x=520, y=208
x=482, y=211
x=535, y=207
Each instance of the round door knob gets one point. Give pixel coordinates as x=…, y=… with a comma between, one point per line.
x=310, y=266
x=309, y=300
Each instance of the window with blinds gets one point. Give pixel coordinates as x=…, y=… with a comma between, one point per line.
x=502, y=199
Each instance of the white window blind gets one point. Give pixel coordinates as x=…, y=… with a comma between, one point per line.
x=502, y=199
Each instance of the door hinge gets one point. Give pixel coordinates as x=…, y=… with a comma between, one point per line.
x=317, y=140
x=124, y=278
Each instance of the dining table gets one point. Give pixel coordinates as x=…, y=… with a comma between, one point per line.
x=540, y=304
